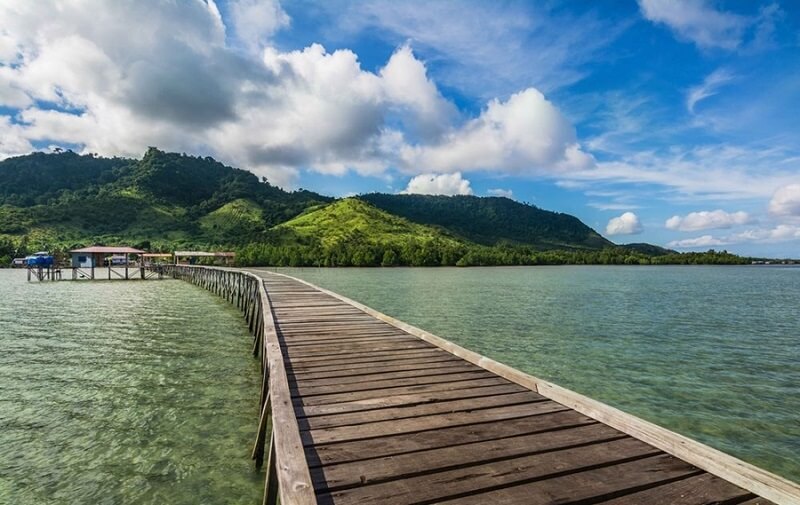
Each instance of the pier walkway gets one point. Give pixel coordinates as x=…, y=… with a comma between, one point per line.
x=369, y=410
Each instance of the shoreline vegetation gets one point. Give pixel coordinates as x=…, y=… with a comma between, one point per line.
x=431, y=256
x=168, y=201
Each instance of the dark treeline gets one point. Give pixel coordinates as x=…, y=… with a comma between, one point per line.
x=440, y=254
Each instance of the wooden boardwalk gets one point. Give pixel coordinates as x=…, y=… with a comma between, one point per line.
x=388, y=418
x=377, y=412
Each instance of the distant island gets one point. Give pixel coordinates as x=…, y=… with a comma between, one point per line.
x=167, y=201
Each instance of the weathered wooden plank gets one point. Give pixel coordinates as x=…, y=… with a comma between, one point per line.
x=697, y=490
x=571, y=465
x=405, y=400
x=333, y=314
x=371, y=368
x=395, y=445
x=404, y=412
x=326, y=336
x=385, y=375
x=393, y=391
x=308, y=391
x=347, y=350
x=349, y=342
x=386, y=355
x=302, y=336
x=402, y=364
x=424, y=423
x=332, y=326
x=593, y=486
x=396, y=467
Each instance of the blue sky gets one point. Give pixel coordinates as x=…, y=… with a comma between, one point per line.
x=671, y=122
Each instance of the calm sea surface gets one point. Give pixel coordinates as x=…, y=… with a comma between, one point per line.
x=710, y=352
x=124, y=393
x=144, y=392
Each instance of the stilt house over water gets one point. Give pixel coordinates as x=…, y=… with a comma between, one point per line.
x=95, y=256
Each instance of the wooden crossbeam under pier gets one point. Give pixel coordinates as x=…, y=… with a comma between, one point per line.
x=367, y=409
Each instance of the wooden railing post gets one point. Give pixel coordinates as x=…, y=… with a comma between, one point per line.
x=271, y=480
x=261, y=434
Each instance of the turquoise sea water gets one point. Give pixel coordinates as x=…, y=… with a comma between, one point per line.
x=710, y=352
x=124, y=393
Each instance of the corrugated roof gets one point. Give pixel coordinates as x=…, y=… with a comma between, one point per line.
x=203, y=254
x=108, y=250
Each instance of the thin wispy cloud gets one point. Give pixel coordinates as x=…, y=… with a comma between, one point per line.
x=506, y=193
x=697, y=21
x=710, y=86
x=488, y=48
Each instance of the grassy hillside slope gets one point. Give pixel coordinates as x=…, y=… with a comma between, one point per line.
x=351, y=232
x=493, y=220
x=352, y=220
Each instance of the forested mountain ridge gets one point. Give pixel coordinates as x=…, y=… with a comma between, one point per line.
x=65, y=199
x=167, y=201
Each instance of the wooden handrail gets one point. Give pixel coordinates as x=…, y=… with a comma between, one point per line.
x=294, y=478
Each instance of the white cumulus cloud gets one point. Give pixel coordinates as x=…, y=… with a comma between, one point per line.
x=406, y=83
x=180, y=85
x=441, y=184
x=626, y=224
x=697, y=21
x=255, y=21
x=707, y=220
x=786, y=201
x=525, y=134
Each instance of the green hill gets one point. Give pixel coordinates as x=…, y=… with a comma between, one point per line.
x=493, y=220
x=352, y=220
x=351, y=232
x=64, y=199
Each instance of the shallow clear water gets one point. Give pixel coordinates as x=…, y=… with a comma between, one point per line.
x=124, y=392
x=710, y=352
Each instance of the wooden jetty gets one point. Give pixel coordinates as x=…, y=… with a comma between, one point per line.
x=365, y=409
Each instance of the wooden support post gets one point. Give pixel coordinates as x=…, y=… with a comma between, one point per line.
x=264, y=386
x=256, y=343
x=271, y=481
x=261, y=434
